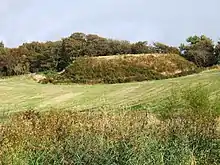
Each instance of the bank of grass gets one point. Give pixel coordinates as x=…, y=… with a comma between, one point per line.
x=125, y=68
x=182, y=130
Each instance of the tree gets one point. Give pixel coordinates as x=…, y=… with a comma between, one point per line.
x=43, y=56
x=64, y=58
x=96, y=46
x=162, y=48
x=217, y=52
x=199, y=50
x=14, y=61
x=140, y=47
x=78, y=36
x=117, y=47
x=2, y=45
x=3, y=61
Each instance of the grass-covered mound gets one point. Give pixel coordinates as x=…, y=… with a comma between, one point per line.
x=126, y=68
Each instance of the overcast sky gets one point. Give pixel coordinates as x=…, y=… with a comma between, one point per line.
x=168, y=21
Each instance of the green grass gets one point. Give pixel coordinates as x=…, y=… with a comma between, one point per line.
x=183, y=130
x=22, y=93
x=187, y=135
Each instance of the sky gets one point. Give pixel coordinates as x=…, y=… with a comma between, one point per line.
x=167, y=21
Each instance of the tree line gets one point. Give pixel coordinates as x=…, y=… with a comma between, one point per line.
x=57, y=55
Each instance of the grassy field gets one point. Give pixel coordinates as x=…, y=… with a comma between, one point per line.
x=183, y=130
x=22, y=93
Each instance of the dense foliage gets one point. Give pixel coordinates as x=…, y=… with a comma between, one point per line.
x=128, y=68
x=200, y=50
x=57, y=55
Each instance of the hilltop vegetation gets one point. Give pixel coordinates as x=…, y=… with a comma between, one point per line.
x=127, y=68
x=59, y=55
x=56, y=56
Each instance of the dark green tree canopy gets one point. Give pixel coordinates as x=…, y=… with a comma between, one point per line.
x=199, y=50
x=162, y=48
x=57, y=55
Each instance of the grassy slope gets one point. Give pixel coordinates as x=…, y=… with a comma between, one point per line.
x=21, y=93
x=126, y=68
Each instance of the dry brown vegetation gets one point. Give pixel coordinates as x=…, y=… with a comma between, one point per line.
x=126, y=68
x=182, y=131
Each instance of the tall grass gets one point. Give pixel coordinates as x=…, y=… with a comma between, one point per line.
x=185, y=134
x=191, y=119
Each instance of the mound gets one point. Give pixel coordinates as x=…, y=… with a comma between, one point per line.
x=126, y=68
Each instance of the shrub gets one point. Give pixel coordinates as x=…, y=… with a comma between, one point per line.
x=127, y=68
